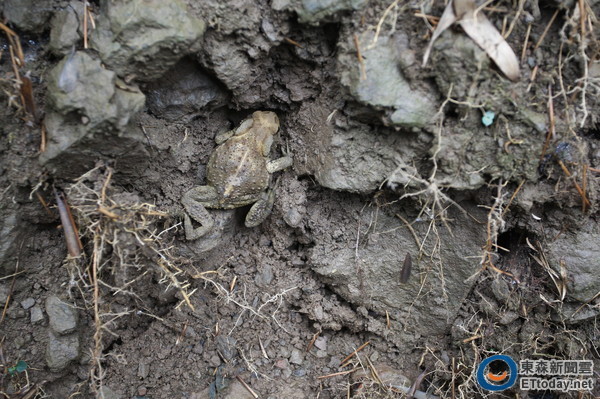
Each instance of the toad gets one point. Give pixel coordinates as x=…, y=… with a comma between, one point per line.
x=238, y=173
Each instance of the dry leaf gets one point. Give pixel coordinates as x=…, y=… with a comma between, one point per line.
x=481, y=31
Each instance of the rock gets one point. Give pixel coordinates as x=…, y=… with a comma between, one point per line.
x=65, y=28
x=316, y=11
x=81, y=87
x=107, y=392
x=29, y=15
x=183, y=93
x=226, y=347
x=237, y=390
x=581, y=259
x=145, y=38
x=348, y=155
x=265, y=276
x=369, y=275
x=296, y=357
x=27, y=303
x=386, y=375
x=508, y=317
x=385, y=86
x=321, y=343
x=88, y=117
x=36, y=314
x=62, y=317
x=574, y=313
x=61, y=351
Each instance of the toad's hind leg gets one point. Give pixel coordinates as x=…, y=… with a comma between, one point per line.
x=193, y=201
x=279, y=164
x=261, y=209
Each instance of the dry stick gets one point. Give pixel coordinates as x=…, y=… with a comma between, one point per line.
x=515, y=19
x=43, y=139
x=97, y=321
x=524, y=51
x=350, y=356
x=85, y=24
x=293, y=42
x=18, y=80
x=361, y=60
x=586, y=202
x=546, y=30
x=254, y=394
x=550, y=134
x=312, y=341
x=582, y=17
x=13, y=39
x=70, y=230
x=27, y=95
x=453, y=382
x=375, y=374
x=44, y=204
x=321, y=377
x=512, y=198
x=584, y=184
x=382, y=20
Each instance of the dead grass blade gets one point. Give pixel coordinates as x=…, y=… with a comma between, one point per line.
x=559, y=280
x=447, y=19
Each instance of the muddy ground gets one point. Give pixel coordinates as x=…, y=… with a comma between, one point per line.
x=434, y=215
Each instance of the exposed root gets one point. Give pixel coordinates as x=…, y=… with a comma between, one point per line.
x=122, y=245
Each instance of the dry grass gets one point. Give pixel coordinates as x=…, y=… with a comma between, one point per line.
x=124, y=242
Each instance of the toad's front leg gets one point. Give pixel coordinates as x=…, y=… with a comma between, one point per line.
x=194, y=203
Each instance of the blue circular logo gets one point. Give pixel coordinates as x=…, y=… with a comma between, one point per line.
x=497, y=373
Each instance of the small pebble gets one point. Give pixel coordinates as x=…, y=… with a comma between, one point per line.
x=28, y=303
x=36, y=314
x=296, y=357
x=299, y=373
x=321, y=343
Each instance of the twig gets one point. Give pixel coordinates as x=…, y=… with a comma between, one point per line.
x=586, y=202
x=321, y=377
x=293, y=42
x=350, y=356
x=550, y=134
x=312, y=341
x=361, y=60
x=539, y=42
x=254, y=394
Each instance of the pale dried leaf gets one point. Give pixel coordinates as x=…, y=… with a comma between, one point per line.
x=485, y=34
x=447, y=19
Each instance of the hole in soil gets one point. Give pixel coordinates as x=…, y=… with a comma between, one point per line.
x=110, y=347
x=512, y=239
